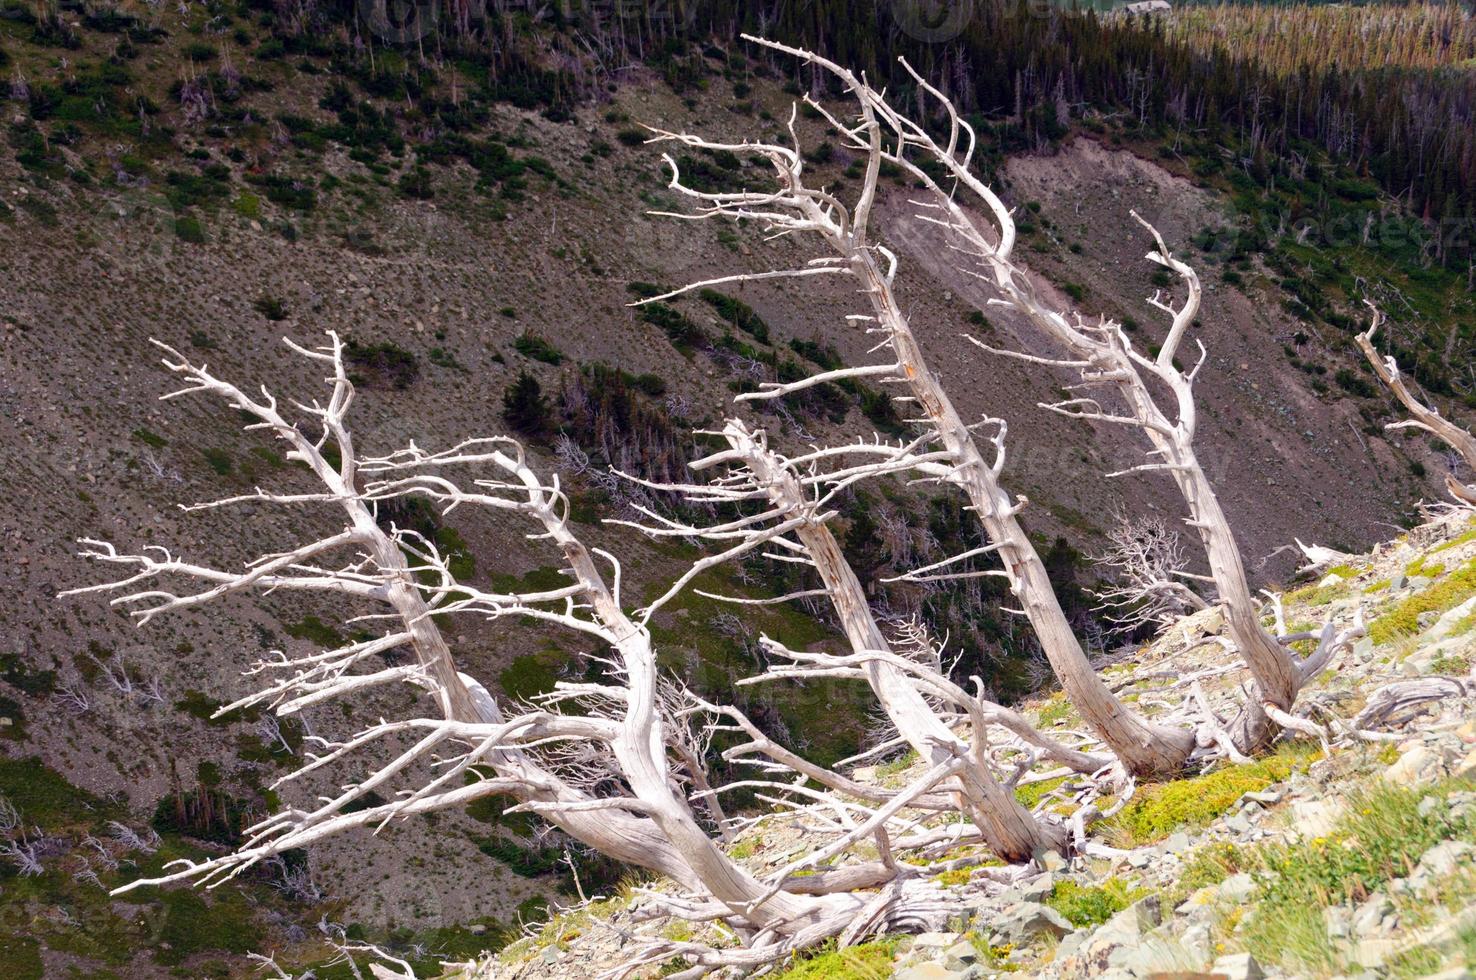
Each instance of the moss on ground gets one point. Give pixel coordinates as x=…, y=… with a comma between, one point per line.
x=1404, y=619
x=868, y=961
x=1031, y=793
x=20, y=957
x=1159, y=809
x=1382, y=837
x=1092, y=905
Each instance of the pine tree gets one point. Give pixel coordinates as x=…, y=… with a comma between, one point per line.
x=524, y=407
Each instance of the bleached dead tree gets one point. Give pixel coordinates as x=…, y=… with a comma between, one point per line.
x=605, y=776
x=1422, y=415
x=1104, y=360
x=794, y=208
x=794, y=524
x=1150, y=567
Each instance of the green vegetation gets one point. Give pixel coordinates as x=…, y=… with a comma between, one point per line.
x=192, y=926
x=1404, y=619
x=867, y=961
x=25, y=678
x=1030, y=794
x=1158, y=810
x=20, y=957
x=531, y=674
x=270, y=307
x=533, y=346
x=314, y=630
x=219, y=460
x=1381, y=838
x=382, y=364
x=738, y=313
x=524, y=406
x=682, y=332
x=150, y=439
x=44, y=797
x=1092, y=905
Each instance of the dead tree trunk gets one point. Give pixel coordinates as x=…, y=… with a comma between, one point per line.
x=1143, y=746
x=1423, y=416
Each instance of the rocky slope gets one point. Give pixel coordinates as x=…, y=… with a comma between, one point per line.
x=460, y=284
x=1352, y=858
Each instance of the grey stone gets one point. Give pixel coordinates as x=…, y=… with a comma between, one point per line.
x=1368, y=916
x=1315, y=818
x=960, y=955
x=927, y=971
x=934, y=940
x=1237, y=824
x=1038, y=887
x=1131, y=924
x=1238, y=966
x=1050, y=860
x=1338, y=920
x=1176, y=843
x=1373, y=952
x=1442, y=859
x=1236, y=888
x=1020, y=923
x=1070, y=943
x=1198, y=941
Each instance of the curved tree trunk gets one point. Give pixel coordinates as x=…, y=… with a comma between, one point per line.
x=1145, y=748
x=1009, y=829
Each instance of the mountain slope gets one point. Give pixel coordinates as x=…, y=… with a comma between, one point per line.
x=413, y=261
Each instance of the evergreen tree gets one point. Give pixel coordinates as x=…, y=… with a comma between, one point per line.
x=524, y=406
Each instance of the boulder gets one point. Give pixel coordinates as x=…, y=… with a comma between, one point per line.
x=1236, y=888
x=1417, y=766
x=1316, y=818
x=1022, y=922
x=1442, y=859
x=1238, y=966
x=927, y=971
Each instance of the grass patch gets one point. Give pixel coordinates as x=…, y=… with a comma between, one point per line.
x=150, y=439
x=20, y=958
x=1158, y=810
x=1031, y=793
x=1404, y=619
x=534, y=346
x=44, y=797
x=1057, y=709
x=191, y=925
x=219, y=460
x=532, y=674
x=1381, y=838
x=1092, y=905
x=1465, y=538
x=1419, y=567
x=868, y=961
x=313, y=629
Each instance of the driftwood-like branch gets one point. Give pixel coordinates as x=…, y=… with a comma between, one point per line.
x=1422, y=415
x=632, y=728
x=884, y=135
